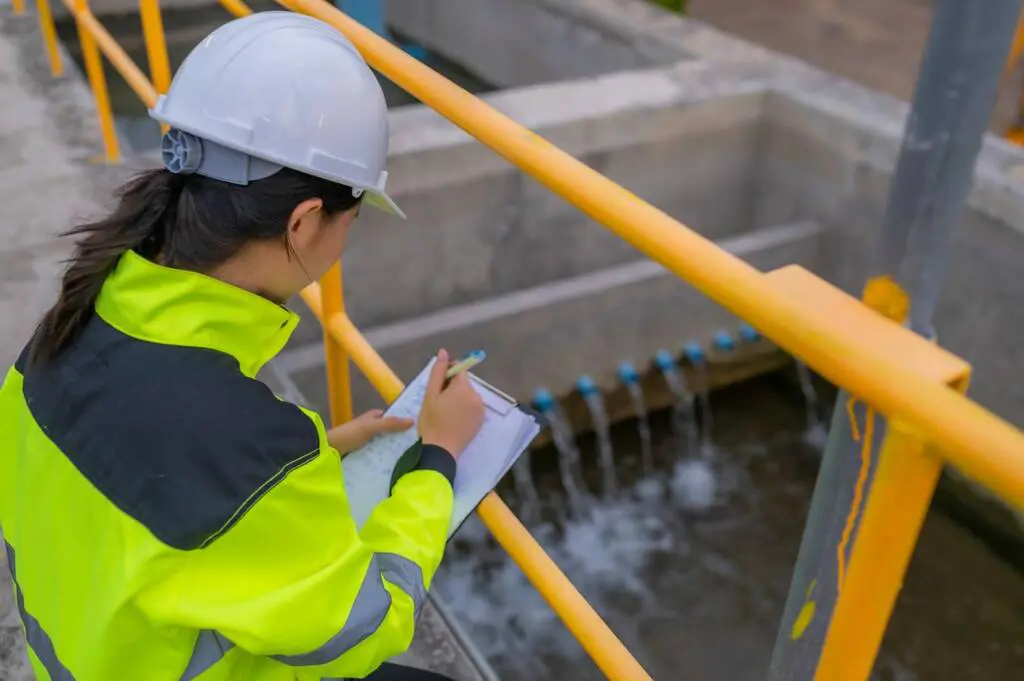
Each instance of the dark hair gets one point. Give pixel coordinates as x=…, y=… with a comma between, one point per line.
x=190, y=221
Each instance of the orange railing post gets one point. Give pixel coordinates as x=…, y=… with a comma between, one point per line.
x=97, y=78
x=156, y=44
x=156, y=47
x=49, y=31
x=1015, y=133
x=339, y=380
x=236, y=7
x=607, y=651
x=893, y=515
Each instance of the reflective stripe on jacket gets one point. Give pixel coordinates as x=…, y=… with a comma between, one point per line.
x=167, y=518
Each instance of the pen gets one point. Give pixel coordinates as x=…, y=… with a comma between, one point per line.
x=466, y=363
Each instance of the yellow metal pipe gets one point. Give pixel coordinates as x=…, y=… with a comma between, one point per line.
x=156, y=44
x=980, y=444
x=359, y=350
x=1017, y=48
x=91, y=27
x=339, y=380
x=607, y=651
x=894, y=513
x=97, y=78
x=236, y=7
x=156, y=47
x=596, y=638
x=49, y=32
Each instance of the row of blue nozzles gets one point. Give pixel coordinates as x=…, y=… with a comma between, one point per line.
x=724, y=341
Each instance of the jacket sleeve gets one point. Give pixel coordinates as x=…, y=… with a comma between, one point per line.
x=293, y=580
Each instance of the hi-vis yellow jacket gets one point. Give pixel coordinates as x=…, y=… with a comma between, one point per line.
x=167, y=518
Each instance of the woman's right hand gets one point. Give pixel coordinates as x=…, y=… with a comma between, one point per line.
x=451, y=414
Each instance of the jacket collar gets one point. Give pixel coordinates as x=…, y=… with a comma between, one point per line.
x=177, y=307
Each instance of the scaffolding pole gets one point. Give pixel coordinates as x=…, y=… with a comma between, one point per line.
x=952, y=105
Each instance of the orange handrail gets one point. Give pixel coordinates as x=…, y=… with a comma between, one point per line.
x=982, y=445
x=120, y=60
x=579, y=616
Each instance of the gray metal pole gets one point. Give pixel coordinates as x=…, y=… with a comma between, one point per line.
x=952, y=105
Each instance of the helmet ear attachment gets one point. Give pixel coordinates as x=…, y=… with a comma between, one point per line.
x=187, y=154
x=182, y=152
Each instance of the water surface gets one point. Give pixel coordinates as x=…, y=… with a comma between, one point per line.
x=699, y=595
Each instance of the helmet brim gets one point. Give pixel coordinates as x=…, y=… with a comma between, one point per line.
x=383, y=202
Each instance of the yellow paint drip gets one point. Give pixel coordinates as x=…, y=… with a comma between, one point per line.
x=883, y=295
x=803, y=619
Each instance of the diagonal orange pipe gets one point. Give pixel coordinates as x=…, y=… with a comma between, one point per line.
x=982, y=445
x=607, y=651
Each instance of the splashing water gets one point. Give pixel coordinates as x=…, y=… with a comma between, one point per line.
x=817, y=432
x=606, y=553
x=643, y=427
x=683, y=422
x=595, y=403
x=568, y=459
x=694, y=484
x=523, y=478
x=718, y=579
x=807, y=387
x=701, y=387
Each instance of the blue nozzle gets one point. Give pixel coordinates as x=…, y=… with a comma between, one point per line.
x=724, y=341
x=664, y=360
x=585, y=384
x=543, y=400
x=628, y=373
x=748, y=333
x=693, y=352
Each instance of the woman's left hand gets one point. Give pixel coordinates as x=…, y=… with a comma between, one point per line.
x=350, y=436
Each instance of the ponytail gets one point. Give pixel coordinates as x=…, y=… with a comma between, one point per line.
x=189, y=222
x=146, y=205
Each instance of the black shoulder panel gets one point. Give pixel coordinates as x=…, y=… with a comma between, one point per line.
x=176, y=437
x=19, y=364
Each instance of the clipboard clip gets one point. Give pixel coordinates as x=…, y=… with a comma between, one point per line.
x=508, y=402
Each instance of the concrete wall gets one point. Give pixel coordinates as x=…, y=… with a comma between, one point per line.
x=479, y=227
x=549, y=335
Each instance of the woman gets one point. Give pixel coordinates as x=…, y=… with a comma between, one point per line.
x=166, y=517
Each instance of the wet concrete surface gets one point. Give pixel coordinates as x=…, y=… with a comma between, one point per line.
x=699, y=594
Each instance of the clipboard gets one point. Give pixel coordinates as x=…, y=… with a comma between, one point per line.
x=507, y=432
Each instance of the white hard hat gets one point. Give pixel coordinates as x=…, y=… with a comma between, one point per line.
x=278, y=90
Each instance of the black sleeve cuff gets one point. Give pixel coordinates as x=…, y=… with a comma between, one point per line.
x=421, y=457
